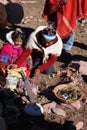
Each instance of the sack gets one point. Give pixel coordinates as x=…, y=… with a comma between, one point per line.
x=11, y=81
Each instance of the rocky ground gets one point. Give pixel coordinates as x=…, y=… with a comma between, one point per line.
x=32, y=19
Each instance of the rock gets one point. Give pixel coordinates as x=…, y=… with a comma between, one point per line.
x=59, y=111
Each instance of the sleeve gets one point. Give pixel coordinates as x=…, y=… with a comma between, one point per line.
x=23, y=57
x=50, y=8
x=47, y=64
x=4, y=53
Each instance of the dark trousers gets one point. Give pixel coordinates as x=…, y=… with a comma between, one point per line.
x=38, y=61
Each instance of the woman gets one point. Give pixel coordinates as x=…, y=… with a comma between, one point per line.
x=64, y=14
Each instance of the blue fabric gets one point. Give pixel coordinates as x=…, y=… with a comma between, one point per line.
x=68, y=42
x=49, y=38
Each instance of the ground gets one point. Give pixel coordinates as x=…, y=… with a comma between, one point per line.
x=32, y=19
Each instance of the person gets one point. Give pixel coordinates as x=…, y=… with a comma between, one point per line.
x=63, y=14
x=7, y=1
x=10, y=14
x=12, y=50
x=2, y=120
x=45, y=45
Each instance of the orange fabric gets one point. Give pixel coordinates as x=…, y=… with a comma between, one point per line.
x=66, y=15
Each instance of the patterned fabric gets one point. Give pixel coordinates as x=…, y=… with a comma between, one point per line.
x=10, y=53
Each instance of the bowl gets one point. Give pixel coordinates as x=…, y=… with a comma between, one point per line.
x=68, y=93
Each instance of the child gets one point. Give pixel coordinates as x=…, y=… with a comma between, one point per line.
x=12, y=50
x=45, y=45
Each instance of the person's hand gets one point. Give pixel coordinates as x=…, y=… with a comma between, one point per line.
x=12, y=66
x=50, y=23
x=63, y=2
x=30, y=66
x=3, y=67
x=37, y=72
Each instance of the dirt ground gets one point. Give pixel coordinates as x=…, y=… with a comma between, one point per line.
x=32, y=19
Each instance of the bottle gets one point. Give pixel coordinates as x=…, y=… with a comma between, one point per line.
x=28, y=87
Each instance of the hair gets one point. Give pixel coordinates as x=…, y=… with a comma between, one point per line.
x=49, y=31
x=18, y=34
x=49, y=34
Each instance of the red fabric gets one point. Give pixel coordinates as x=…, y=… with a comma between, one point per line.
x=42, y=67
x=82, y=8
x=23, y=57
x=50, y=7
x=49, y=62
x=28, y=73
x=70, y=11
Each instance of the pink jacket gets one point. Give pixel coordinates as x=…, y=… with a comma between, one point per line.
x=10, y=53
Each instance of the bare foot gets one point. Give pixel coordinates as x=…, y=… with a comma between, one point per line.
x=79, y=125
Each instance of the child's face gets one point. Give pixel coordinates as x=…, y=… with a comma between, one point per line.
x=18, y=41
x=46, y=43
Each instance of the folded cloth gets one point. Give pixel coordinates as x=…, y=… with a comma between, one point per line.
x=83, y=67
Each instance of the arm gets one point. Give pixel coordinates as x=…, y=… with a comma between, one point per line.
x=49, y=62
x=50, y=9
x=4, y=53
x=4, y=56
x=23, y=57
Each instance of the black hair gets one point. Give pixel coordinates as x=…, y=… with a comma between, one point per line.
x=18, y=34
x=49, y=31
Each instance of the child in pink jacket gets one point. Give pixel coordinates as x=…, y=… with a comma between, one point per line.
x=13, y=49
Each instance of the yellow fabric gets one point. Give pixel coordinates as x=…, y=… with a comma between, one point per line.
x=16, y=71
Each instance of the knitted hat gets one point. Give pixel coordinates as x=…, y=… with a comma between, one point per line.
x=15, y=13
x=49, y=34
x=3, y=15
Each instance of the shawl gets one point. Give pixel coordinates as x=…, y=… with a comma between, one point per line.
x=54, y=49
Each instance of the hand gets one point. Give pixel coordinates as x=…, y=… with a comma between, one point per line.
x=12, y=66
x=30, y=66
x=49, y=23
x=3, y=66
x=37, y=72
x=63, y=2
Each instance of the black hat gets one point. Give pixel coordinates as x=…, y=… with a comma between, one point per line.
x=15, y=13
